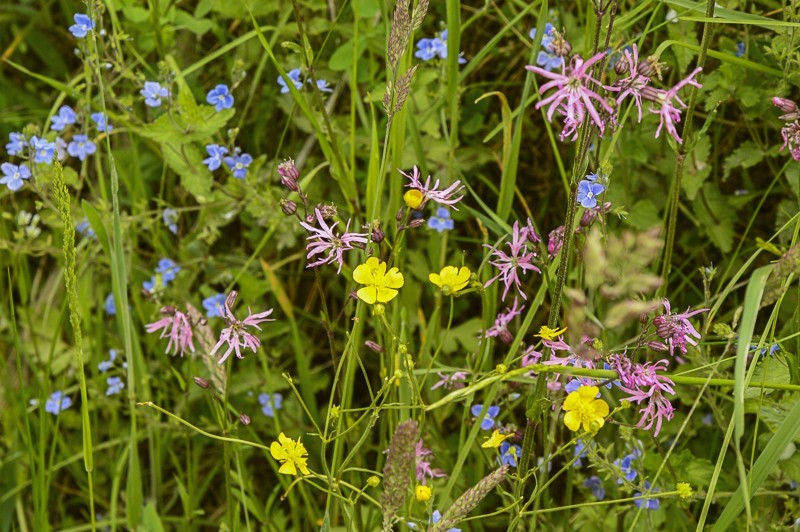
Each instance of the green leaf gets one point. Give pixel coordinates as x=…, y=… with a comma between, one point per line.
x=342, y=57
x=150, y=520
x=745, y=156
x=792, y=467
x=771, y=369
x=716, y=217
x=198, y=26
x=135, y=14
x=186, y=160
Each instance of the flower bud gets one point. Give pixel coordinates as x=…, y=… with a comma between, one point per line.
x=561, y=47
x=378, y=309
x=402, y=349
x=400, y=213
x=589, y=216
x=290, y=184
x=373, y=481
x=374, y=346
x=288, y=170
x=328, y=212
x=417, y=223
x=501, y=368
x=311, y=220
x=288, y=206
x=651, y=67
x=621, y=67
x=422, y=493
x=785, y=105
x=245, y=419
x=378, y=235
x=230, y=301
x=505, y=337
x=658, y=346
x=201, y=382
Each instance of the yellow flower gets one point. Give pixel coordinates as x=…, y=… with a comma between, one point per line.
x=423, y=493
x=546, y=333
x=291, y=454
x=495, y=440
x=451, y=279
x=583, y=408
x=380, y=284
x=684, y=490
x=413, y=198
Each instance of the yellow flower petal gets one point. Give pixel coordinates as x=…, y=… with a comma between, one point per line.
x=495, y=440
x=368, y=294
x=384, y=295
x=413, y=198
x=435, y=278
x=361, y=274
x=572, y=402
x=393, y=278
x=572, y=420
x=288, y=468
x=599, y=407
x=277, y=451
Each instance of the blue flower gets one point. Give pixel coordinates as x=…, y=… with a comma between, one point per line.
x=707, y=419
x=85, y=229
x=115, y=385
x=153, y=92
x=81, y=147
x=442, y=221
x=108, y=364
x=16, y=143
x=509, y=454
x=649, y=504
x=82, y=25
x=596, y=485
x=13, y=175
x=269, y=406
x=774, y=348
x=488, y=420
x=101, y=121
x=64, y=117
x=626, y=465
x=437, y=516
x=168, y=269
x=427, y=49
x=43, y=151
x=110, y=305
x=150, y=285
x=548, y=61
x=548, y=35
x=293, y=75
x=170, y=217
x=739, y=49
x=572, y=386
x=238, y=164
x=587, y=192
x=580, y=452
x=214, y=306
x=220, y=97
x=322, y=85
x=215, y=153
x=546, y=57
x=57, y=402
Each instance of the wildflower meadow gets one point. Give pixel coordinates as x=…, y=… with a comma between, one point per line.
x=399, y=265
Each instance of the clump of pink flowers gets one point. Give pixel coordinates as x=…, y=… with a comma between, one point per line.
x=578, y=95
x=645, y=386
x=177, y=326
x=791, y=131
x=676, y=329
x=235, y=334
x=424, y=457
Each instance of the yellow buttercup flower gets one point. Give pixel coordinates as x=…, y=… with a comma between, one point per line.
x=495, y=440
x=583, y=408
x=413, y=198
x=546, y=333
x=422, y=493
x=451, y=279
x=684, y=490
x=380, y=285
x=291, y=454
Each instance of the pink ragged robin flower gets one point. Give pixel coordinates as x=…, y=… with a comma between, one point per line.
x=791, y=139
x=500, y=327
x=555, y=239
x=323, y=240
x=676, y=329
x=177, y=326
x=235, y=334
x=573, y=97
x=669, y=112
x=643, y=384
x=432, y=192
x=520, y=258
x=424, y=456
x=635, y=82
x=454, y=381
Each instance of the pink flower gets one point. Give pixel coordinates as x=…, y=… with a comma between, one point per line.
x=676, y=329
x=573, y=98
x=324, y=240
x=791, y=139
x=442, y=197
x=236, y=335
x=177, y=326
x=670, y=114
x=530, y=356
x=520, y=258
x=500, y=327
x=424, y=469
x=634, y=83
x=555, y=239
x=643, y=384
x=451, y=382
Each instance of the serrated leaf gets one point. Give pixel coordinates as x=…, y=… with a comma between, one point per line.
x=716, y=217
x=186, y=160
x=745, y=156
x=770, y=369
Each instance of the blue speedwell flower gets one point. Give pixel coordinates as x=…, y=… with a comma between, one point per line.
x=110, y=305
x=238, y=164
x=488, y=420
x=42, y=150
x=270, y=403
x=14, y=175
x=509, y=454
x=220, y=97
x=108, y=364
x=428, y=49
x=85, y=229
x=81, y=147
x=214, y=306
x=626, y=465
x=546, y=57
x=170, y=217
x=115, y=385
x=323, y=86
x=101, y=121
x=648, y=504
x=16, y=143
x=739, y=49
x=596, y=485
x=57, y=403
x=168, y=269
x=442, y=221
x=588, y=192
x=293, y=75
x=64, y=117
x=83, y=24
x=215, y=154
x=153, y=92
